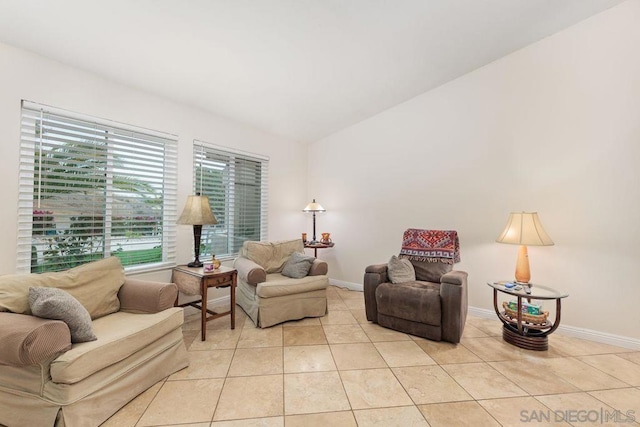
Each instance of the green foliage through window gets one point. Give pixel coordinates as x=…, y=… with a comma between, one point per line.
x=236, y=185
x=97, y=189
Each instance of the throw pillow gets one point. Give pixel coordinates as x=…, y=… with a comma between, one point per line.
x=400, y=270
x=297, y=266
x=54, y=303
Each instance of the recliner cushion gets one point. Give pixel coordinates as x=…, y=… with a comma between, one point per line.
x=416, y=301
x=430, y=271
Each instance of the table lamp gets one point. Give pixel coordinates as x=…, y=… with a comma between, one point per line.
x=314, y=207
x=197, y=212
x=524, y=228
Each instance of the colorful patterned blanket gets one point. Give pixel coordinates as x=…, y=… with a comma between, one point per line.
x=431, y=245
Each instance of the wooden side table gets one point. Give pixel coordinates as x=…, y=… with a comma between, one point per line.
x=518, y=332
x=318, y=246
x=194, y=281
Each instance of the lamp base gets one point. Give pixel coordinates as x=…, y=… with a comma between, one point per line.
x=523, y=274
x=197, y=233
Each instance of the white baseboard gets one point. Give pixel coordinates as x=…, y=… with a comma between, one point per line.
x=348, y=285
x=482, y=312
x=602, y=337
x=572, y=331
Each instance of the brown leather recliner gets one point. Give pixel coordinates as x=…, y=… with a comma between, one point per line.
x=434, y=306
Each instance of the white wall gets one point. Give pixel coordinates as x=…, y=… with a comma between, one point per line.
x=553, y=128
x=27, y=76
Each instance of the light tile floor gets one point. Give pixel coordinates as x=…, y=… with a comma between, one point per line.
x=341, y=370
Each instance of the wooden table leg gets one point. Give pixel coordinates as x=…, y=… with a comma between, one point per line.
x=233, y=301
x=203, y=314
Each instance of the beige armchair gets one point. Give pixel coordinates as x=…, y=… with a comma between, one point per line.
x=267, y=295
x=47, y=380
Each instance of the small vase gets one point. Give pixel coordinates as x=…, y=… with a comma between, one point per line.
x=215, y=262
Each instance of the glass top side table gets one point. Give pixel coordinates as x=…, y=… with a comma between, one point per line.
x=523, y=330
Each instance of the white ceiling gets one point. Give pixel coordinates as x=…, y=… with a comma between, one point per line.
x=298, y=68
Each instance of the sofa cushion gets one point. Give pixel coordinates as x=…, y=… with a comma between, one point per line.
x=430, y=271
x=400, y=270
x=52, y=303
x=271, y=255
x=29, y=340
x=278, y=285
x=415, y=301
x=119, y=336
x=297, y=266
x=95, y=285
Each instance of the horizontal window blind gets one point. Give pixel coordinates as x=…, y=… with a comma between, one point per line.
x=237, y=186
x=91, y=188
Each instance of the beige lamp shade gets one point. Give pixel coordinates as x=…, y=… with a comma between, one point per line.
x=313, y=207
x=524, y=228
x=197, y=211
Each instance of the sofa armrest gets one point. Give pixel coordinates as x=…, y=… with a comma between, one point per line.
x=249, y=271
x=318, y=268
x=373, y=276
x=29, y=340
x=144, y=296
x=453, y=297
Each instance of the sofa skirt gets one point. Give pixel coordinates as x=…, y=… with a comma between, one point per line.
x=292, y=307
x=117, y=388
x=265, y=312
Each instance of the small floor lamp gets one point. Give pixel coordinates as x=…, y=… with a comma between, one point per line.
x=314, y=207
x=524, y=228
x=197, y=212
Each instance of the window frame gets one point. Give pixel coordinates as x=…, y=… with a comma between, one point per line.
x=116, y=137
x=228, y=213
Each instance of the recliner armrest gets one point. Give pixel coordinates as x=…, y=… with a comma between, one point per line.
x=377, y=268
x=318, y=268
x=144, y=296
x=373, y=276
x=249, y=271
x=454, y=300
x=455, y=277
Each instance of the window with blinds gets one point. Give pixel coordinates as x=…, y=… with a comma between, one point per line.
x=236, y=184
x=90, y=189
